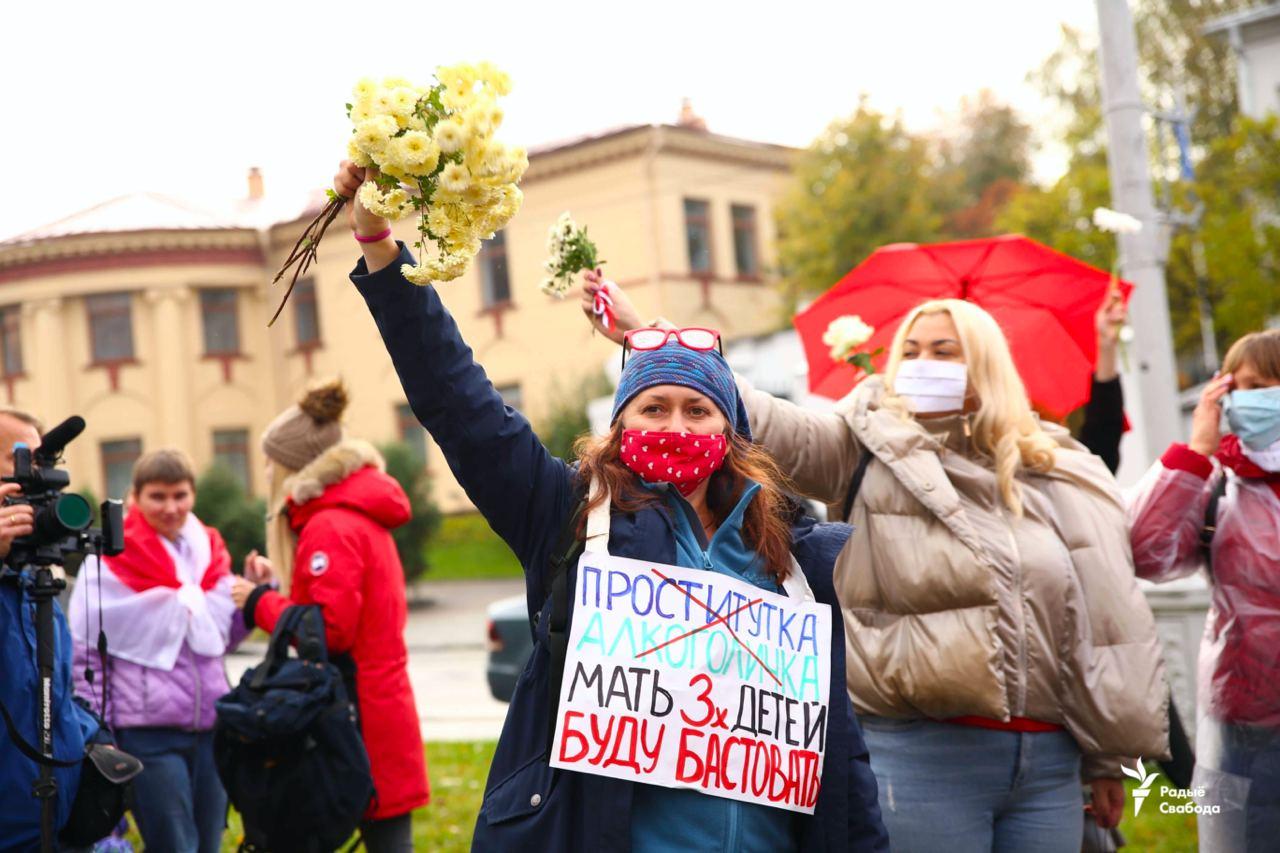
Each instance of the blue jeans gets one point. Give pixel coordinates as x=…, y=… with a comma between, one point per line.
x=178, y=800
x=961, y=789
x=1238, y=766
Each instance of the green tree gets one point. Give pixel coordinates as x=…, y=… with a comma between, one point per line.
x=221, y=503
x=866, y=181
x=1235, y=174
x=412, y=537
x=987, y=164
x=567, y=418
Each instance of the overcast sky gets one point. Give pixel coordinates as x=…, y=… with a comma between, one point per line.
x=104, y=99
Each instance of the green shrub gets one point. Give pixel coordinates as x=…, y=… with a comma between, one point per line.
x=411, y=539
x=221, y=503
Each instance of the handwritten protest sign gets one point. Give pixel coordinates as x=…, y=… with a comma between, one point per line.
x=693, y=679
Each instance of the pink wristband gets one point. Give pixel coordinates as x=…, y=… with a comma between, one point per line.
x=374, y=238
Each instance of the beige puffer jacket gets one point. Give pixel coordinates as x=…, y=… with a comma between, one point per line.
x=953, y=606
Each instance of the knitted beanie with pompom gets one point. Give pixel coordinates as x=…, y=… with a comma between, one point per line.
x=305, y=430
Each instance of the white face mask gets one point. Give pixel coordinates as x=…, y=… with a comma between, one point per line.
x=1268, y=458
x=932, y=386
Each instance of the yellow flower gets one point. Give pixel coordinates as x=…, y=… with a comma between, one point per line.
x=365, y=89
x=416, y=153
x=419, y=275
x=395, y=83
x=373, y=134
x=394, y=170
x=478, y=195
x=439, y=221
x=358, y=156
x=494, y=78
x=451, y=135
x=361, y=110
x=454, y=178
x=515, y=162
x=478, y=120
x=403, y=101
x=460, y=78
x=393, y=205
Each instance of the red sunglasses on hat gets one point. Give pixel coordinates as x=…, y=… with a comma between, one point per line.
x=649, y=338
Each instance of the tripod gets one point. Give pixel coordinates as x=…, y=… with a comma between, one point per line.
x=43, y=592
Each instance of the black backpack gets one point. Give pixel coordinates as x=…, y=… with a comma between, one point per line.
x=288, y=747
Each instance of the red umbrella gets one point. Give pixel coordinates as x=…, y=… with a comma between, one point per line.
x=1044, y=301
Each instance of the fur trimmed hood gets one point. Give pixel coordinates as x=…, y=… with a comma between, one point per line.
x=349, y=476
x=331, y=467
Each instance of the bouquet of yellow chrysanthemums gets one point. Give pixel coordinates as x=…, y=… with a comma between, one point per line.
x=435, y=154
x=569, y=252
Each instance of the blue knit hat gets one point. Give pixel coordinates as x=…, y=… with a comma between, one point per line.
x=704, y=371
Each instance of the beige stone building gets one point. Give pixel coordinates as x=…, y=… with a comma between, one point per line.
x=149, y=317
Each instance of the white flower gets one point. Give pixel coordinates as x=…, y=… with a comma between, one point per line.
x=846, y=334
x=1115, y=221
x=557, y=287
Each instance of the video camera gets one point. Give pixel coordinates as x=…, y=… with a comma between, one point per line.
x=63, y=522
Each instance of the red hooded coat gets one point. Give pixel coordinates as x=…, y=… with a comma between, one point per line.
x=347, y=563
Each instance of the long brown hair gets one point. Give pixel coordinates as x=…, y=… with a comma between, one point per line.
x=765, y=525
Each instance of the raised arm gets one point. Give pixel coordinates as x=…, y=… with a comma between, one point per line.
x=817, y=450
x=522, y=490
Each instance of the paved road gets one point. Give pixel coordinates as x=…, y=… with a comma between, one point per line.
x=446, y=635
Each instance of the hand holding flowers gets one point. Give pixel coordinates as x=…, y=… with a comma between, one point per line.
x=1115, y=222
x=844, y=335
x=569, y=252
x=435, y=156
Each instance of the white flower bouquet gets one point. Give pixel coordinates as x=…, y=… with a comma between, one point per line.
x=845, y=335
x=436, y=157
x=569, y=252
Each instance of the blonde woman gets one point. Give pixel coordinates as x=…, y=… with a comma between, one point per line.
x=999, y=648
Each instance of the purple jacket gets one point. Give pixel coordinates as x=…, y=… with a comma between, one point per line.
x=181, y=698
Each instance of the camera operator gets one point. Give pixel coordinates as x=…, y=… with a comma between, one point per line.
x=15, y=427
x=20, y=817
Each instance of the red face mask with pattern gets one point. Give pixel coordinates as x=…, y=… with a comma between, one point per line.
x=683, y=459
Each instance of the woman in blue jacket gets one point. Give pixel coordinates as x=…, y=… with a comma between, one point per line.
x=735, y=521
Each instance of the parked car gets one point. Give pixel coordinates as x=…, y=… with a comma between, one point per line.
x=510, y=644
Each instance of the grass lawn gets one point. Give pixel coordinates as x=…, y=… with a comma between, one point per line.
x=465, y=548
x=1153, y=831
x=458, y=771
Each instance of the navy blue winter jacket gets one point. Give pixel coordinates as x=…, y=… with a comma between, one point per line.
x=527, y=495
x=19, y=686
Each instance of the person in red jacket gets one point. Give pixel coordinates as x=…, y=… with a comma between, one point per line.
x=339, y=506
x=1213, y=504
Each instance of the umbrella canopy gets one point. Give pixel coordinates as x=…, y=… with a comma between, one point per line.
x=1044, y=301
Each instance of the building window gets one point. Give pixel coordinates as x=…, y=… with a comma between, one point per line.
x=231, y=451
x=11, y=340
x=745, y=255
x=221, y=319
x=495, y=284
x=306, y=315
x=511, y=395
x=110, y=326
x=117, y=465
x=411, y=432
x=697, y=230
